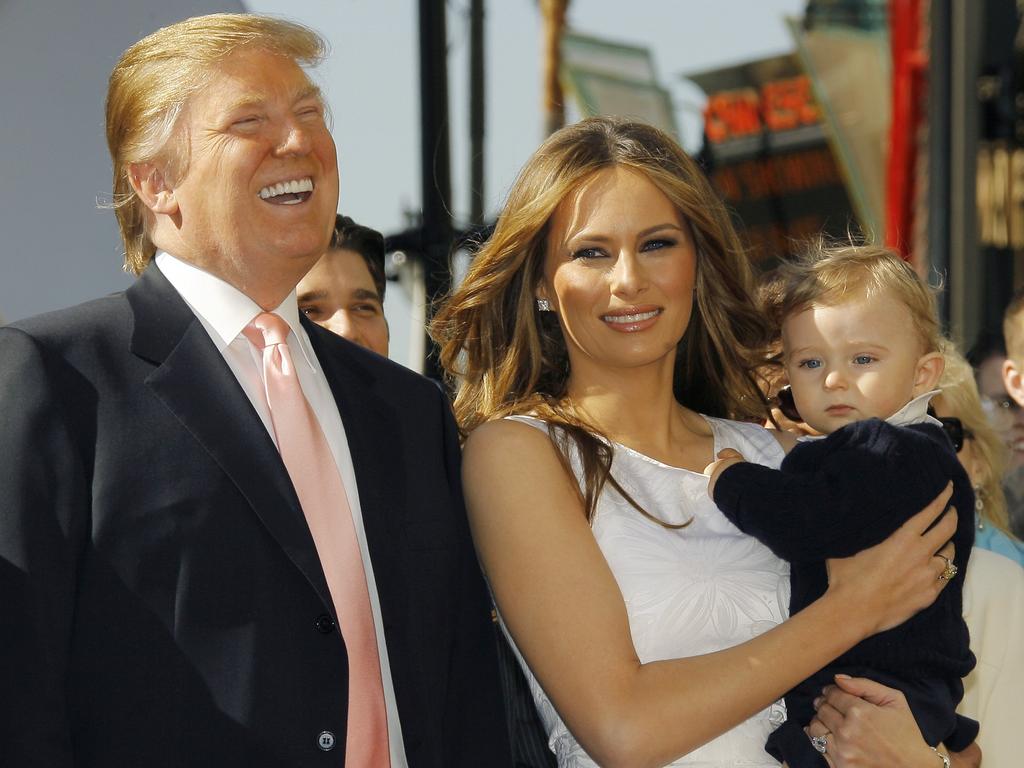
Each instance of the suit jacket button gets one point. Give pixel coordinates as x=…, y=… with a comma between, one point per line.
x=325, y=741
x=324, y=624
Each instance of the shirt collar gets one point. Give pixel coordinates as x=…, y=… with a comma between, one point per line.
x=224, y=309
x=915, y=412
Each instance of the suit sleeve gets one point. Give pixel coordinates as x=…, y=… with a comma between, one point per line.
x=44, y=506
x=475, y=714
x=837, y=496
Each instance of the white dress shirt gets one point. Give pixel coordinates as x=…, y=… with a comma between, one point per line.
x=224, y=311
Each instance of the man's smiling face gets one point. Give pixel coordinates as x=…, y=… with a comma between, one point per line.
x=261, y=186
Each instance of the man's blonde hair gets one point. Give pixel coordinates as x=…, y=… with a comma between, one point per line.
x=150, y=88
x=825, y=275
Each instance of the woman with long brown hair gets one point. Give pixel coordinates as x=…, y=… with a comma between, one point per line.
x=602, y=341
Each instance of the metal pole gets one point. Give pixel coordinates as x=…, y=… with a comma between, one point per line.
x=964, y=277
x=939, y=147
x=435, y=163
x=477, y=112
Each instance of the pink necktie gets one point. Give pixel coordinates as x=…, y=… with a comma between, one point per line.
x=313, y=472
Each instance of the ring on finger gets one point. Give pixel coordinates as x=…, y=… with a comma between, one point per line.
x=949, y=571
x=820, y=743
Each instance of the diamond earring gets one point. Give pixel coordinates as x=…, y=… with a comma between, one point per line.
x=543, y=305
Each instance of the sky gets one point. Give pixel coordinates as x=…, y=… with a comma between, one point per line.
x=371, y=80
x=55, y=60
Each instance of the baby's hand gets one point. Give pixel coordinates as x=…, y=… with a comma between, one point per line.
x=726, y=458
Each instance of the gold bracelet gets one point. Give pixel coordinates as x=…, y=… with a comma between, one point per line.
x=942, y=757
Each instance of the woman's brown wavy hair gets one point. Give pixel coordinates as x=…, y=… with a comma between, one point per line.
x=507, y=358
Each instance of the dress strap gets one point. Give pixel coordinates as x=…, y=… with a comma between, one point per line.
x=752, y=440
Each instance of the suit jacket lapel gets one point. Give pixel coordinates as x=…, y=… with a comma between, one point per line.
x=195, y=383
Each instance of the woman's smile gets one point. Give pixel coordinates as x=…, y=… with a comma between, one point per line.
x=632, y=319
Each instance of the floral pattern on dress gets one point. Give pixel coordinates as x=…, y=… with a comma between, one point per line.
x=687, y=592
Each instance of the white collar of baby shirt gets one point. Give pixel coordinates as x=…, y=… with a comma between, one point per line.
x=915, y=412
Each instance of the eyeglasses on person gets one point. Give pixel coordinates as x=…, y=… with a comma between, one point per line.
x=955, y=431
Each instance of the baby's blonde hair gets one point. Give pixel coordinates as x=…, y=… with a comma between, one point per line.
x=825, y=275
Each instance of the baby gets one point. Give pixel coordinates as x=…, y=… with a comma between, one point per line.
x=862, y=351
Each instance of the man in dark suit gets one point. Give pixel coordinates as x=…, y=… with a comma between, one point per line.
x=166, y=599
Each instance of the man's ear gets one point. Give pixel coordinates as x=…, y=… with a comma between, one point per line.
x=152, y=187
x=929, y=371
x=1013, y=380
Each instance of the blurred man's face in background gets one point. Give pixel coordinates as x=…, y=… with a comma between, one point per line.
x=339, y=294
x=1002, y=411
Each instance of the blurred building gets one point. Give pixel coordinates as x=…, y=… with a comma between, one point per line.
x=899, y=120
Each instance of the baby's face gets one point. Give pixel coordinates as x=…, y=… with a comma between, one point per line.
x=854, y=360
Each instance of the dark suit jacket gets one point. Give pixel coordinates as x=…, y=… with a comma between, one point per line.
x=161, y=600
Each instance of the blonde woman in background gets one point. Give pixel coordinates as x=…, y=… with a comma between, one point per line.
x=982, y=453
x=993, y=585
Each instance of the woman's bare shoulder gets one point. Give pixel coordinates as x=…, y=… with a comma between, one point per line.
x=508, y=447
x=516, y=486
x=507, y=435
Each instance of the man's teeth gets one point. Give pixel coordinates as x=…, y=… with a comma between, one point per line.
x=626, y=319
x=292, y=187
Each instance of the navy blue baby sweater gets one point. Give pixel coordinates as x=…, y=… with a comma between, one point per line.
x=843, y=493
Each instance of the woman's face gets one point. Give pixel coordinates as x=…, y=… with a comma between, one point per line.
x=620, y=271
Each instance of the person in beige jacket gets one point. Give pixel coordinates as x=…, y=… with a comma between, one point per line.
x=994, y=610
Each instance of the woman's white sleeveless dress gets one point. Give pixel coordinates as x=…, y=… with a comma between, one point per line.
x=689, y=591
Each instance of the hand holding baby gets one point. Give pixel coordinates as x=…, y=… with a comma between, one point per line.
x=726, y=458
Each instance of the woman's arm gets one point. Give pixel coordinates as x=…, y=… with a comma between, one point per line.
x=564, y=609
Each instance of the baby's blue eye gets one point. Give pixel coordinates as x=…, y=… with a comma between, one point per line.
x=812, y=363
x=863, y=359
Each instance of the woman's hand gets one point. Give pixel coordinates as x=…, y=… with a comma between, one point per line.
x=890, y=582
x=969, y=758
x=866, y=724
